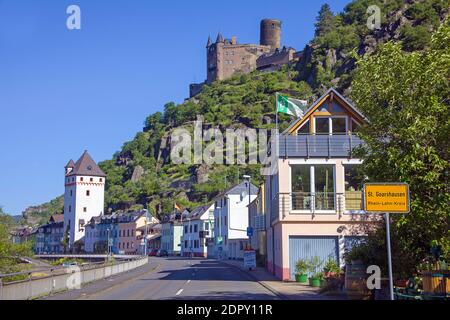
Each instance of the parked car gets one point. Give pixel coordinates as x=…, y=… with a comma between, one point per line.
x=153, y=253
x=162, y=253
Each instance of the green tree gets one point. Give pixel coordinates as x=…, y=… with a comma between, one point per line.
x=406, y=98
x=325, y=20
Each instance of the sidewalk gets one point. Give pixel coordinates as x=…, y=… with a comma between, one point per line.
x=284, y=289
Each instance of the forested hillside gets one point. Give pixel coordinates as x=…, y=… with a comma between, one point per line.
x=140, y=174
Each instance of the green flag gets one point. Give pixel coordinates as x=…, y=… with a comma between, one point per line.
x=291, y=106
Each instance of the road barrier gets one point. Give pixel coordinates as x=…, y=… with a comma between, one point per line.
x=60, y=279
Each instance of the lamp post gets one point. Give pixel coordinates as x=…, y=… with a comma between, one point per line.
x=248, y=178
x=219, y=209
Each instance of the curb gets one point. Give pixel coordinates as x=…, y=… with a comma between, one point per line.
x=277, y=293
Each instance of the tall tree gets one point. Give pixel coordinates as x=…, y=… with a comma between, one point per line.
x=406, y=97
x=325, y=20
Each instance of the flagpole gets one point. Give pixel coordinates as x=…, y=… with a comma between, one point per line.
x=276, y=112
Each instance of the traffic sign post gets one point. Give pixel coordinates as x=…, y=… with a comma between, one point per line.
x=387, y=198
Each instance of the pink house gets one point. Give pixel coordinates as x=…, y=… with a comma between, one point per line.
x=314, y=202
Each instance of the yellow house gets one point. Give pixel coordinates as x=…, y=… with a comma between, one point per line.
x=314, y=201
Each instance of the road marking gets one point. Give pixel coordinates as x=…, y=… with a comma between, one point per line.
x=179, y=292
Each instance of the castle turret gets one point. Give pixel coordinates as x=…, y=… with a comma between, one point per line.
x=270, y=33
x=83, y=197
x=219, y=38
x=209, y=43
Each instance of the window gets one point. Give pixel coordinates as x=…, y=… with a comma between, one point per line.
x=128, y=245
x=195, y=228
x=206, y=226
x=322, y=125
x=185, y=243
x=91, y=179
x=339, y=125
x=331, y=125
x=70, y=208
x=190, y=228
x=132, y=232
x=128, y=232
x=71, y=192
x=101, y=179
x=88, y=193
x=185, y=229
x=81, y=179
x=312, y=184
x=353, y=181
x=84, y=209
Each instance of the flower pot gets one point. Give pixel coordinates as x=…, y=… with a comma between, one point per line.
x=315, y=282
x=302, y=278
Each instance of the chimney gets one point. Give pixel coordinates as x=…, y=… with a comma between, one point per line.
x=233, y=40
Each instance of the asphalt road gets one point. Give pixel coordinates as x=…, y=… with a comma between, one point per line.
x=174, y=278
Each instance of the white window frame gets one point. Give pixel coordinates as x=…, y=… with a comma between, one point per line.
x=313, y=184
x=330, y=123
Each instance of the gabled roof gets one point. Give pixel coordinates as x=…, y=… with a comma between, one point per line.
x=54, y=218
x=238, y=189
x=86, y=166
x=197, y=212
x=331, y=93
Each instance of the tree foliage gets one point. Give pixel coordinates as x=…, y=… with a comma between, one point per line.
x=406, y=98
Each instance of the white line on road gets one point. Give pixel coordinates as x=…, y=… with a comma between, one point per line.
x=179, y=292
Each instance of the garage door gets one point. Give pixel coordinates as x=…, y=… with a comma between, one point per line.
x=308, y=247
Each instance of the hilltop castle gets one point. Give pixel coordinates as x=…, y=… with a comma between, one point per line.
x=225, y=57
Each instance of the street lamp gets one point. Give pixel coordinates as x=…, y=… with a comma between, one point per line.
x=219, y=209
x=248, y=179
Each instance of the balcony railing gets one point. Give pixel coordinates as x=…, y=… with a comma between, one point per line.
x=296, y=203
x=324, y=146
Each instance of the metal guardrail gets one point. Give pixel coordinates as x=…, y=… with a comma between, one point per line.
x=49, y=280
x=318, y=145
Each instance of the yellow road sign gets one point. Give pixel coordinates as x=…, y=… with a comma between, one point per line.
x=386, y=197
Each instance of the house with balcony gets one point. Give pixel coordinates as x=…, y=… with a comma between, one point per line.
x=198, y=236
x=314, y=201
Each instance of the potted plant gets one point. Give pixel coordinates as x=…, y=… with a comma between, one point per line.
x=331, y=268
x=313, y=268
x=316, y=279
x=301, y=268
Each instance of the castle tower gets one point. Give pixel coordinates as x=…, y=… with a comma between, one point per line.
x=270, y=33
x=83, y=198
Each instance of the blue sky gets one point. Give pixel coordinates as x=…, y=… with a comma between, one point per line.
x=63, y=91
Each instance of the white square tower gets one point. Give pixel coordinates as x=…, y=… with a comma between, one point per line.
x=83, y=198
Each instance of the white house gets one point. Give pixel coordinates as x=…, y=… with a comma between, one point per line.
x=83, y=198
x=198, y=236
x=231, y=220
x=172, y=232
